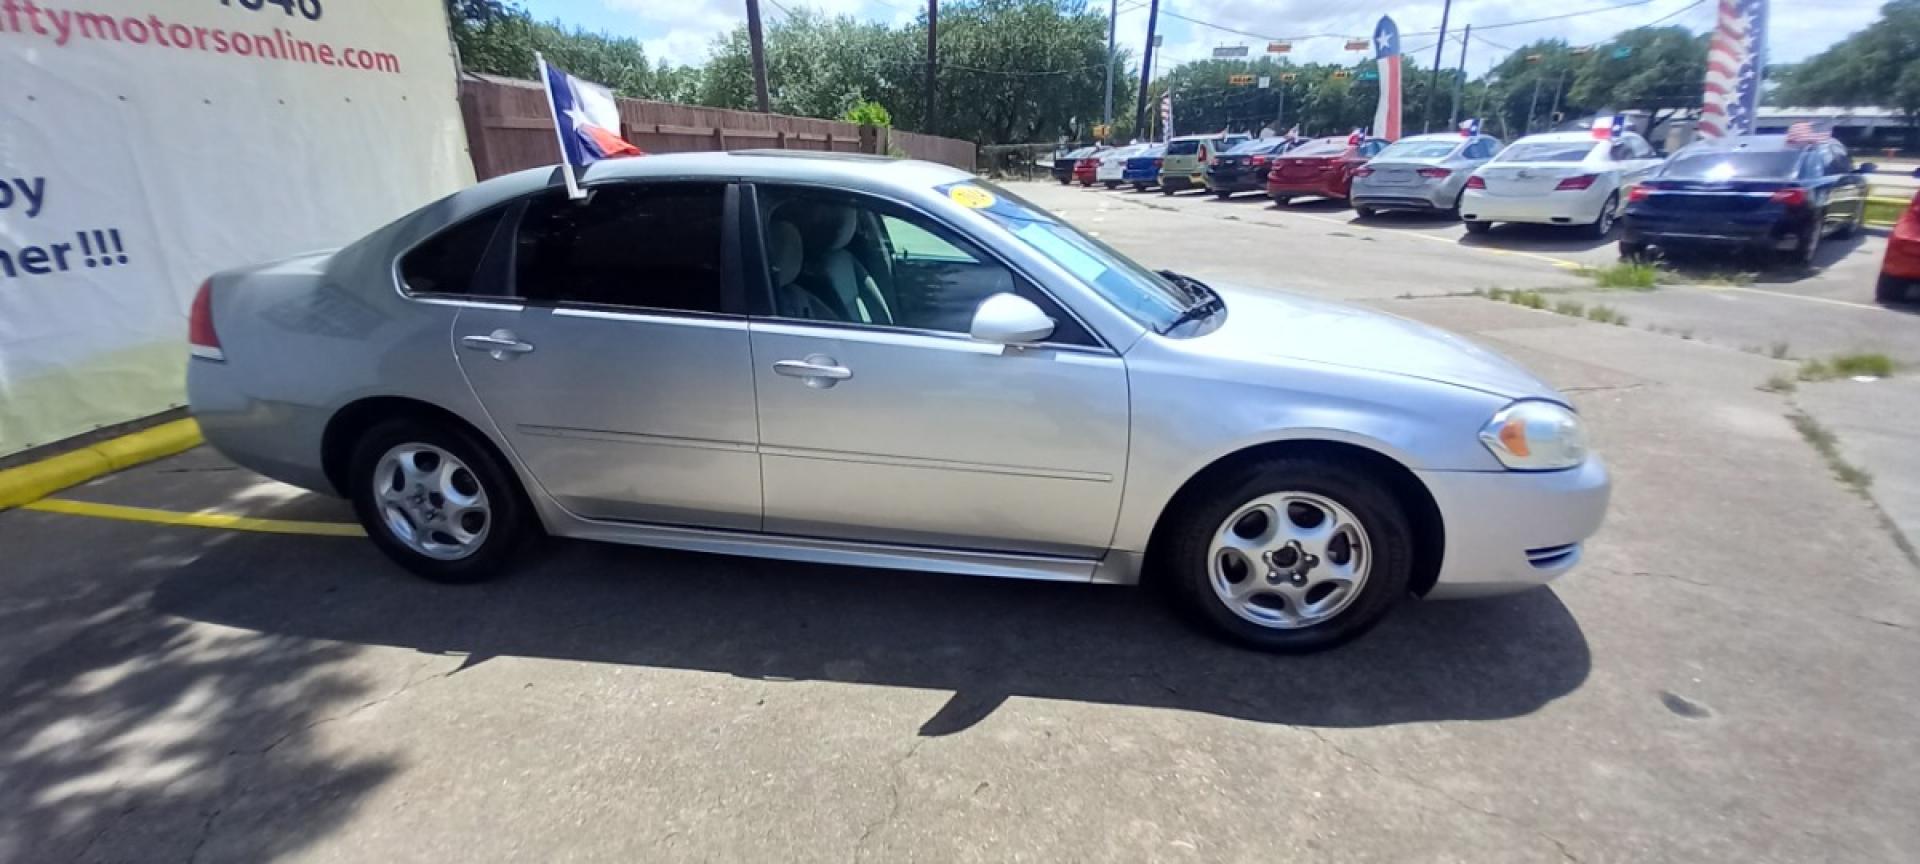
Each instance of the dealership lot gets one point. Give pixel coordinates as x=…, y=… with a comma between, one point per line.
x=1728, y=677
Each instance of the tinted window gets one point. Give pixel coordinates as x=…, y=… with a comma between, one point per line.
x=446, y=263
x=1258, y=145
x=1840, y=162
x=1321, y=147
x=1747, y=165
x=858, y=261
x=1410, y=149
x=650, y=246
x=1372, y=148
x=1183, y=148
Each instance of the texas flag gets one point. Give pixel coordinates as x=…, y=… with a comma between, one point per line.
x=1605, y=128
x=587, y=119
x=1386, y=53
x=1470, y=127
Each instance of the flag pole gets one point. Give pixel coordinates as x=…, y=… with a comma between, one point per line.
x=559, y=134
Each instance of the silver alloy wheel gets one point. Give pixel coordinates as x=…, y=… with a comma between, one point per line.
x=1289, y=560
x=431, y=501
x=1605, y=225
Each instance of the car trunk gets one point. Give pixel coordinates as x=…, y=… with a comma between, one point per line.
x=1686, y=197
x=1399, y=173
x=1535, y=178
x=1304, y=169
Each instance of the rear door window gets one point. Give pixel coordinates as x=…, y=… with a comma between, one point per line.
x=447, y=262
x=647, y=246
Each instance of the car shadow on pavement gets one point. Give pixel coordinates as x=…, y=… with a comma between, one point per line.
x=1712, y=264
x=127, y=735
x=1525, y=237
x=984, y=640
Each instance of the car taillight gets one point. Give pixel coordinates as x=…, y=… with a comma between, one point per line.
x=1434, y=173
x=1259, y=161
x=1363, y=171
x=1159, y=162
x=1476, y=181
x=1577, y=182
x=200, y=334
x=1638, y=193
x=1793, y=197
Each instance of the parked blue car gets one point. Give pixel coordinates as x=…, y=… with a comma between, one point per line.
x=1762, y=192
x=1143, y=169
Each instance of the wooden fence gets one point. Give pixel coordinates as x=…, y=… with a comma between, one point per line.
x=509, y=128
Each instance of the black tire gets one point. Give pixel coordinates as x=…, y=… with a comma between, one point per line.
x=1282, y=200
x=1852, y=226
x=1141, y=187
x=1222, y=194
x=1633, y=250
x=1188, y=571
x=1454, y=211
x=507, y=522
x=1066, y=181
x=1112, y=184
x=1891, y=289
x=1602, y=226
x=1477, y=227
x=1166, y=190
x=1364, y=211
x=1805, y=252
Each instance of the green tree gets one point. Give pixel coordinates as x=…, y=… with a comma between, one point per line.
x=1523, y=86
x=1879, y=65
x=1656, y=69
x=868, y=114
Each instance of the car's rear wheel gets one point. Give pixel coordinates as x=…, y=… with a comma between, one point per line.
x=436, y=501
x=1475, y=226
x=1632, y=250
x=1166, y=190
x=1365, y=212
x=1140, y=187
x=1602, y=225
x=1295, y=554
x=1221, y=194
x=1112, y=184
x=1282, y=200
x=1848, y=228
x=1892, y=289
x=1808, y=249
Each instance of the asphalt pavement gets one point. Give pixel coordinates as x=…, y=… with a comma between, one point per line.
x=1729, y=675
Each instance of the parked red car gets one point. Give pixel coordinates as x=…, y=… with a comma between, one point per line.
x=1084, y=169
x=1900, y=269
x=1322, y=167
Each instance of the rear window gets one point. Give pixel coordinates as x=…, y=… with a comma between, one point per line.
x=1183, y=148
x=1770, y=165
x=1418, y=149
x=1547, y=151
x=446, y=263
x=1321, y=147
x=1258, y=145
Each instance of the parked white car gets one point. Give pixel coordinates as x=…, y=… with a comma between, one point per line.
x=1560, y=178
x=1112, y=169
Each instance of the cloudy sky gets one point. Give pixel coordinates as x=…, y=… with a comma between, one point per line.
x=683, y=30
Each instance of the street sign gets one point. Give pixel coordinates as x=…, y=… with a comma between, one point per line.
x=1623, y=52
x=1341, y=73
x=1223, y=51
x=1369, y=74
x=1157, y=40
x=1359, y=45
x=1533, y=58
x=1239, y=80
x=1289, y=77
x=1266, y=81
x=1279, y=47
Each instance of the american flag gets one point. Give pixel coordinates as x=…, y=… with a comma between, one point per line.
x=1802, y=134
x=1166, y=116
x=1736, y=61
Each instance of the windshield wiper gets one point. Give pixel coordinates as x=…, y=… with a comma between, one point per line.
x=1206, y=300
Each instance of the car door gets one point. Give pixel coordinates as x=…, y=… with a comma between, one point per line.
x=882, y=421
x=1847, y=195
x=620, y=372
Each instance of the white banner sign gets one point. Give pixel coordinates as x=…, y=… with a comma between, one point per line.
x=146, y=144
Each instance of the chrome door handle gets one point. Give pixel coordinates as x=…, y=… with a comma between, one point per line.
x=501, y=344
x=818, y=370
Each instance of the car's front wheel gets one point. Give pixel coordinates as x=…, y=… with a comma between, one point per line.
x=1602, y=225
x=1294, y=555
x=436, y=501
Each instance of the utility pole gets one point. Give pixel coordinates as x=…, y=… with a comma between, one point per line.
x=1556, y=94
x=1459, y=79
x=1113, y=12
x=1146, y=67
x=933, y=59
x=759, y=57
x=1426, y=116
x=1532, y=106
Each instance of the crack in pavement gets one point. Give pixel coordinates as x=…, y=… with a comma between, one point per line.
x=1559, y=844
x=893, y=799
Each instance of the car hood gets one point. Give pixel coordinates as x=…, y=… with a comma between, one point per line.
x=1282, y=324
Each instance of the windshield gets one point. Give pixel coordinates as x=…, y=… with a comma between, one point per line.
x=1155, y=150
x=1418, y=149
x=1547, y=151
x=1766, y=165
x=1142, y=294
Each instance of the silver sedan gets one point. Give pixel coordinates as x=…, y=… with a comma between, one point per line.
x=1421, y=172
x=872, y=362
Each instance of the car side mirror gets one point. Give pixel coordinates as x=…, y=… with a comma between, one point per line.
x=1010, y=319
x=1866, y=168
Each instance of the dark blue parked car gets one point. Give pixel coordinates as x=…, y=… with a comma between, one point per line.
x=1143, y=168
x=1755, y=191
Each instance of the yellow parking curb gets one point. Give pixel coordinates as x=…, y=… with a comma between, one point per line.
x=36, y=480
x=195, y=520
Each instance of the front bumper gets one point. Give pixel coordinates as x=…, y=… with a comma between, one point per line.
x=1508, y=531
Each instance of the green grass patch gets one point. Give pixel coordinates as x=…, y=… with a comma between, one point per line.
x=1571, y=307
x=1624, y=276
x=1847, y=366
x=1884, y=212
x=1778, y=350
x=1829, y=448
x=1779, y=384
x=1601, y=313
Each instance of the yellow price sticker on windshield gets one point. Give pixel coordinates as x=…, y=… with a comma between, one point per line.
x=971, y=197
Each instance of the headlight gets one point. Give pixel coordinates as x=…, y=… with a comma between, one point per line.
x=1535, y=436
